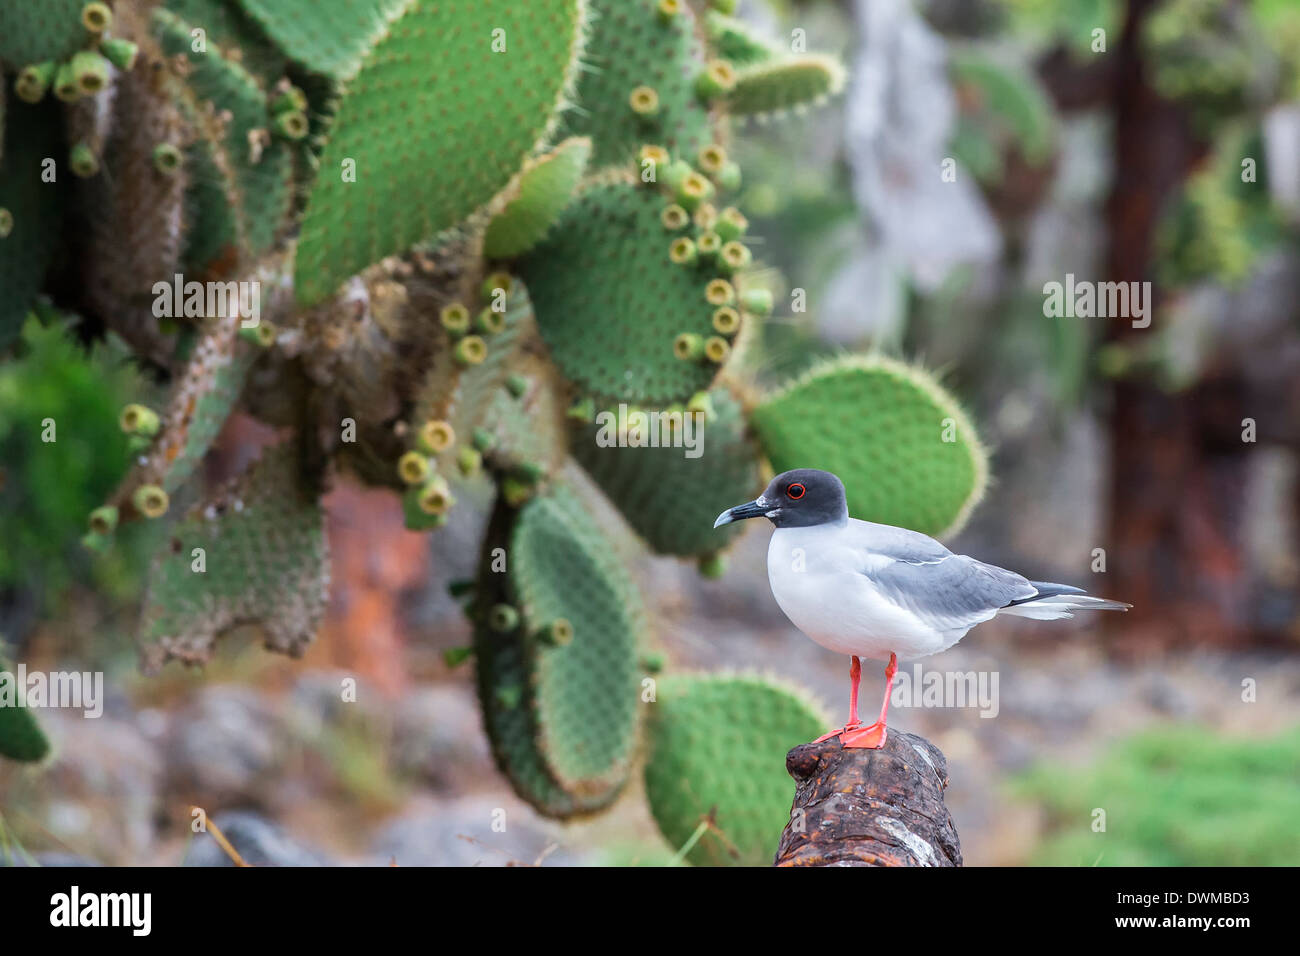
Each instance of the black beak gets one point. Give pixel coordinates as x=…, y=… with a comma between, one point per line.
x=751, y=509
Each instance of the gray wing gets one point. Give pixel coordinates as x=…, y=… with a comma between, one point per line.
x=946, y=591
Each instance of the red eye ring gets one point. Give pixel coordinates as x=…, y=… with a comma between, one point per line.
x=792, y=489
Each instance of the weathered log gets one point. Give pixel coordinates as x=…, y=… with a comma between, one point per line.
x=869, y=807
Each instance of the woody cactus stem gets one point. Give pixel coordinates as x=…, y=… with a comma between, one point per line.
x=869, y=807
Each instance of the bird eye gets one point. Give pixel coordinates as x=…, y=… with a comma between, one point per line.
x=795, y=491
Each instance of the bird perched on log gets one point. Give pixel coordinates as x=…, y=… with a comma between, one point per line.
x=880, y=592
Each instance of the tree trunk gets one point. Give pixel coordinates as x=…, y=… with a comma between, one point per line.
x=1177, y=460
x=869, y=807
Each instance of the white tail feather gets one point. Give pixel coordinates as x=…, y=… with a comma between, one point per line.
x=1061, y=606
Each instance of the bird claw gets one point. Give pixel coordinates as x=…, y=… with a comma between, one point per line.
x=847, y=728
x=865, y=738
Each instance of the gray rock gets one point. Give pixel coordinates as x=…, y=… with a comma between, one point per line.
x=438, y=736
x=1282, y=156
x=461, y=833
x=258, y=842
x=102, y=791
x=52, y=859
x=226, y=746
x=316, y=702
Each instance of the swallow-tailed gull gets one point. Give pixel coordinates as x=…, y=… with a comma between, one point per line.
x=880, y=592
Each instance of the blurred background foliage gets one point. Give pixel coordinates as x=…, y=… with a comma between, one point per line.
x=48, y=487
x=1177, y=796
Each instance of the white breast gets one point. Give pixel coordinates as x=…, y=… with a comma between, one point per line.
x=817, y=582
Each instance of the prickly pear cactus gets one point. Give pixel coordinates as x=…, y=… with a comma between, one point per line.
x=399, y=169
x=535, y=199
x=559, y=625
x=255, y=553
x=21, y=737
x=671, y=497
x=438, y=243
x=905, y=450
x=29, y=217
x=716, y=760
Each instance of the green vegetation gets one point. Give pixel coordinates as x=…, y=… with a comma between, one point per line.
x=1180, y=796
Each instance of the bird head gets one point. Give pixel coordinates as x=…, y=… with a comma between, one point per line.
x=795, y=499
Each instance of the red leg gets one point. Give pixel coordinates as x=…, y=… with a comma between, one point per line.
x=873, y=737
x=855, y=678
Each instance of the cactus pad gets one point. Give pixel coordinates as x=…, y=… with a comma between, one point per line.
x=21, y=737
x=32, y=209
x=735, y=42
x=610, y=301
x=780, y=85
x=265, y=563
x=536, y=198
x=906, y=452
x=585, y=700
x=262, y=174
x=717, y=746
x=212, y=235
x=477, y=400
x=199, y=404
x=326, y=36
x=528, y=430
x=510, y=671
x=670, y=500
x=503, y=675
x=1003, y=106
x=632, y=47
x=426, y=159
x=226, y=25
x=33, y=31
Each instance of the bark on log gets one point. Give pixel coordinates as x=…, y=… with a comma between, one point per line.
x=869, y=807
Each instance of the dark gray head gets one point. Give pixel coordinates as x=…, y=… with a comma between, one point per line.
x=795, y=499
